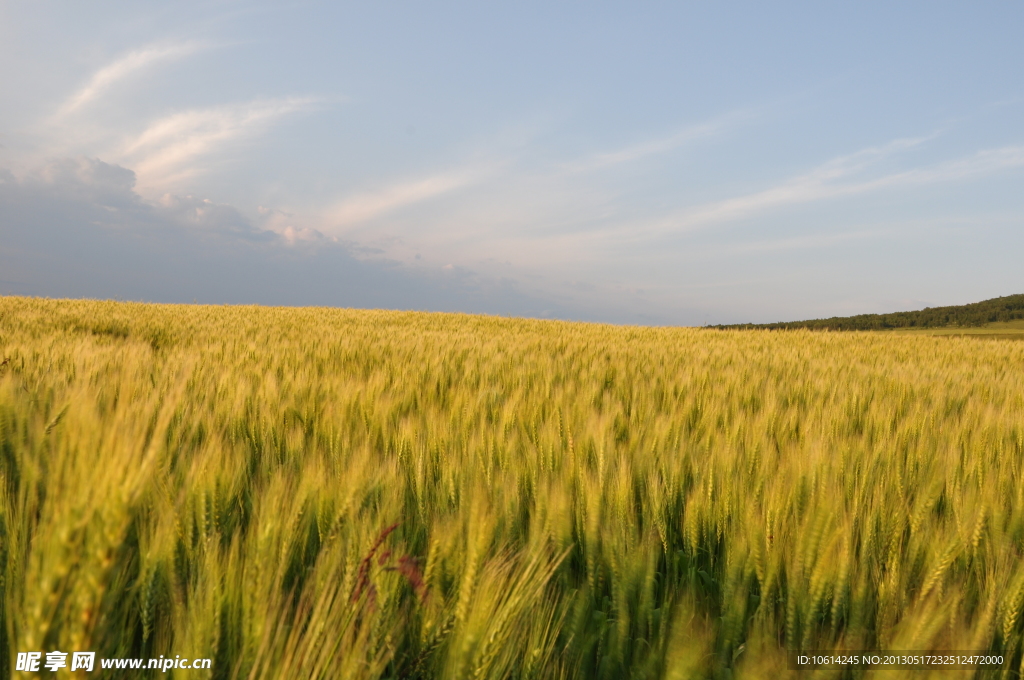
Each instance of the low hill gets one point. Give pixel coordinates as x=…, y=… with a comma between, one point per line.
x=976, y=314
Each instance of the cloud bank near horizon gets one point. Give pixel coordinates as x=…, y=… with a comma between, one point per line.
x=76, y=228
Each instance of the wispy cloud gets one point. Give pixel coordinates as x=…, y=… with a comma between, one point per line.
x=542, y=239
x=128, y=65
x=635, y=152
x=821, y=183
x=907, y=229
x=526, y=195
x=840, y=177
x=173, y=148
x=366, y=206
x=170, y=148
x=982, y=163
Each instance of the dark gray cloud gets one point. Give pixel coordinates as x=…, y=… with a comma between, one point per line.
x=77, y=228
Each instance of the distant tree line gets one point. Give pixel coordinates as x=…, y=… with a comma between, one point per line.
x=1005, y=308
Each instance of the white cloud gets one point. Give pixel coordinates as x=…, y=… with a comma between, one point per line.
x=507, y=193
x=126, y=66
x=369, y=205
x=635, y=152
x=75, y=228
x=540, y=222
x=827, y=182
x=907, y=229
x=172, y=148
x=305, y=234
x=820, y=183
x=101, y=183
x=166, y=150
x=982, y=163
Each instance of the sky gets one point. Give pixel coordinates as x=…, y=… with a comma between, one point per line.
x=648, y=163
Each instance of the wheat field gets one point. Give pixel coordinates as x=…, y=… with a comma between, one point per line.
x=318, y=493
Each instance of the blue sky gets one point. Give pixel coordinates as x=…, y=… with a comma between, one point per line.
x=676, y=163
